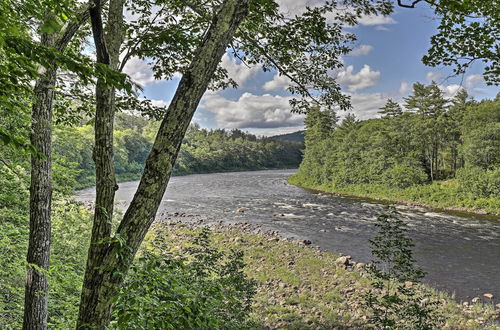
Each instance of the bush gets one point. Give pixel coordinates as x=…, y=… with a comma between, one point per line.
x=396, y=302
x=478, y=183
x=200, y=288
x=400, y=176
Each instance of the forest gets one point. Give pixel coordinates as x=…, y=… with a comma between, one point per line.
x=430, y=150
x=202, y=150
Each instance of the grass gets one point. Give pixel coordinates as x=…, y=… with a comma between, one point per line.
x=301, y=287
x=444, y=195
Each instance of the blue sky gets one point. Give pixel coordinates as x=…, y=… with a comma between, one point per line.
x=384, y=64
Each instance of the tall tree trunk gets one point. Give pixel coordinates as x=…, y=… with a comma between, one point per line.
x=36, y=287
x=113, y=264
x=108, y=51
x=36, y=290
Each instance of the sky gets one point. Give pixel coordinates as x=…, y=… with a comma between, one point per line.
x=385, y=62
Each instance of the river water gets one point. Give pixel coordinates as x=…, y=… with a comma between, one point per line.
x=460, y=252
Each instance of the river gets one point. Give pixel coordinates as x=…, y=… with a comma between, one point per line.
x=460, y=252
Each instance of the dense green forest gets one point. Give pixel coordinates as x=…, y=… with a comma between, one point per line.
x=202, y=150
x=439, y=152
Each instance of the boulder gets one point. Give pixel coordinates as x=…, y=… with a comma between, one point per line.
x=240, y=210
x=344, y=260
x=306, y=242
x=488, y=295
x=476, y=300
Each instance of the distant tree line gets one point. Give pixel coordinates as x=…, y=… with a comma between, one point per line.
x=203, y=150
x=453, y=143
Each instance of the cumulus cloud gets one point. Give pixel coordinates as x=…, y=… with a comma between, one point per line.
x=449, y=91
x=373, y=20
x=278, y=83
x=472, y=80
x=237, y=71
x=139, y=71
x=251, y=111
x=361, y=50
x=366, y=105
x=297, y=7
x=433, y=76
x=404, y=87
x=160, y=103
x=355, y=81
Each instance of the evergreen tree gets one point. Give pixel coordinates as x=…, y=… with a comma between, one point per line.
x=391, y=109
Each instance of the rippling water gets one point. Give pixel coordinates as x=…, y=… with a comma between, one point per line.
x=460, y=252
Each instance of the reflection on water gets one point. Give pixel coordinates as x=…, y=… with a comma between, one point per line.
x=460, y=252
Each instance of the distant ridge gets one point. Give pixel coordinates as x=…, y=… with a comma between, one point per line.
x=292, y=137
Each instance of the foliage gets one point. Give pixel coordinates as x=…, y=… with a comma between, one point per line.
x=468, y=31
x=202, y=150
x=405, y=156
x=200, y=288
x=397, y=304
x=479, y=183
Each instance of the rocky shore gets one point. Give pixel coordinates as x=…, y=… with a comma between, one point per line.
x=302, y=287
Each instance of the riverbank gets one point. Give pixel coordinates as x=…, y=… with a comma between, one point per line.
x=301, y=287
x=439, y=195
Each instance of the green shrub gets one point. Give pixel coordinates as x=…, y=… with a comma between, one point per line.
x=201, y=288
x=400, y=176
x=478, y=183
x=396, y=302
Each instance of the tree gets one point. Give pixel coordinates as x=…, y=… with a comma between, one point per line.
x=468, y=31
x=319, y=125
x=109, y=267
x=36, y=296
x=428, y=102
x=391, y=109
x=472, y=31
x=304, y=48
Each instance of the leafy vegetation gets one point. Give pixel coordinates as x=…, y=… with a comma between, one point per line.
x=438, y=152
x=398, y=304
x=202, y=150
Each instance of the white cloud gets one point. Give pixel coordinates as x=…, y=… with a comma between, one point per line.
x=449, y=91
x=238, y=72
x=404, y=87
x=472, y=80
x=160, y=103
x=297, y=7
x=278, y=83
x=361, y=50
x=372, y=20
x=139, y=71
x=433, y=76
x=363, y=79
x=251, y=111
x=365, y=106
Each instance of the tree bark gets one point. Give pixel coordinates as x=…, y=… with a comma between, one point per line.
x=108, y=51
x=36, y=289
x=38, y=256
x=113, y=264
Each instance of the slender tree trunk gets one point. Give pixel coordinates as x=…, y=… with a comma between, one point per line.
x=95, y=306
x=108, y=51
x=36, y=290
x=36, y=287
